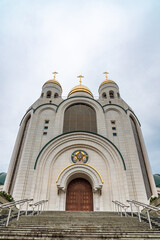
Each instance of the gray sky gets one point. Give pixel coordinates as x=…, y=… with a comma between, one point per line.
x=75, y=37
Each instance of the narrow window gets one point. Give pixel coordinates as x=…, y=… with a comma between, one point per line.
x=118, y=95
x=114, y=134
x=49, y=94
x=42, y=95
x=111, y=94
x=113, y=128
x=113, y=122
x=104, y=95
x=56, y=95
x=46, y=121
x=45, y=127
x=44, y=133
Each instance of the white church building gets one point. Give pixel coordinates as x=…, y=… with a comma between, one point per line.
x=80, y=153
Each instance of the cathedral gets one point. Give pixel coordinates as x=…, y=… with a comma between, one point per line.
x=80, y=153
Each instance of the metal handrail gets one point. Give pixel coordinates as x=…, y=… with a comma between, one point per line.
x=40, y=205
x=145, y=207
x=121, y=206
x=11, y=205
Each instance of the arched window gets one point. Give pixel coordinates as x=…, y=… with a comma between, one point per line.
x=141, y=158
x=48, y=95
x=111, y=94
x=19, y=154
x=80, y=117
x=104, y=95
x=56, y=95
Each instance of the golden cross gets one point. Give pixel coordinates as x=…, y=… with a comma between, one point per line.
x=80, y=76
x=106, y=73
x=54, y=75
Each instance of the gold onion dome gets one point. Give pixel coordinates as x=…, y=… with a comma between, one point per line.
x=53, y=80
x=107, y=80
x=80, y=88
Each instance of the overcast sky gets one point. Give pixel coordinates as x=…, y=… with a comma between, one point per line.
x=76, y=37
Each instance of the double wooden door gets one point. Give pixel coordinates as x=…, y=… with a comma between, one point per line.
x=79, y=196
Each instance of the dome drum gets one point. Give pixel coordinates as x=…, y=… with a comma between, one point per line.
x=108, y=90
x=51, y=89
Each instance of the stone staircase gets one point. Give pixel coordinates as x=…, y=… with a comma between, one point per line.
x=79, y=226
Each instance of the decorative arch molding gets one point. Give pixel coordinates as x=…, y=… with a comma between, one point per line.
x=45, y=104
x=116, y=105
x=27, y=113
x=133, y=115
x=81, y=133
x=114, y=109
x=35, y=109
x=44, y=109
x=125, y=110
x=79, y=97
x=100, y=117
x=19, y=149
x=79, y=170
x=141, y=154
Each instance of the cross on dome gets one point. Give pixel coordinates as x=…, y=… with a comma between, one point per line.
x=106, y=73
x=80, y=80
x=54, y=75
x=80, y=88
x=107, y=80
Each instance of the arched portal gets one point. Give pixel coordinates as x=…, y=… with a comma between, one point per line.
x=79, y=195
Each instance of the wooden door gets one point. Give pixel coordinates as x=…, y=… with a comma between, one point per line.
x=79, y=196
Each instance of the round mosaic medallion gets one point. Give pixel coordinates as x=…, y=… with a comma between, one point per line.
x=79, y=156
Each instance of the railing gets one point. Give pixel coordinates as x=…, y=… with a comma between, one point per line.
x=119, y=206
x=39, y=205
x=20, y=203
x=145, y=207
x=11, y=205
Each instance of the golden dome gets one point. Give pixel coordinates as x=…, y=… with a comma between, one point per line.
x=53, y=81
x=80, y=88
x=107, y=81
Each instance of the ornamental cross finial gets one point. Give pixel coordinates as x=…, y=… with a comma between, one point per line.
x=80, y=80
x=106, y=73
x=54, y=75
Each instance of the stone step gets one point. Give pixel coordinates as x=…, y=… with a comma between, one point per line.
x=78, y=225
x=83, y=227
x=65, y=236
x=52, y=225
x=115, y=226
x=71, y=228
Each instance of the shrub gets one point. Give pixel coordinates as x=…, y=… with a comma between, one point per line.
x=6, y=196
x=152, y=199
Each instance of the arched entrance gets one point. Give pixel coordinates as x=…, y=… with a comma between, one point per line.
x=79, y=195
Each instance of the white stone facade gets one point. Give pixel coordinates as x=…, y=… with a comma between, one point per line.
x=41, y=165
